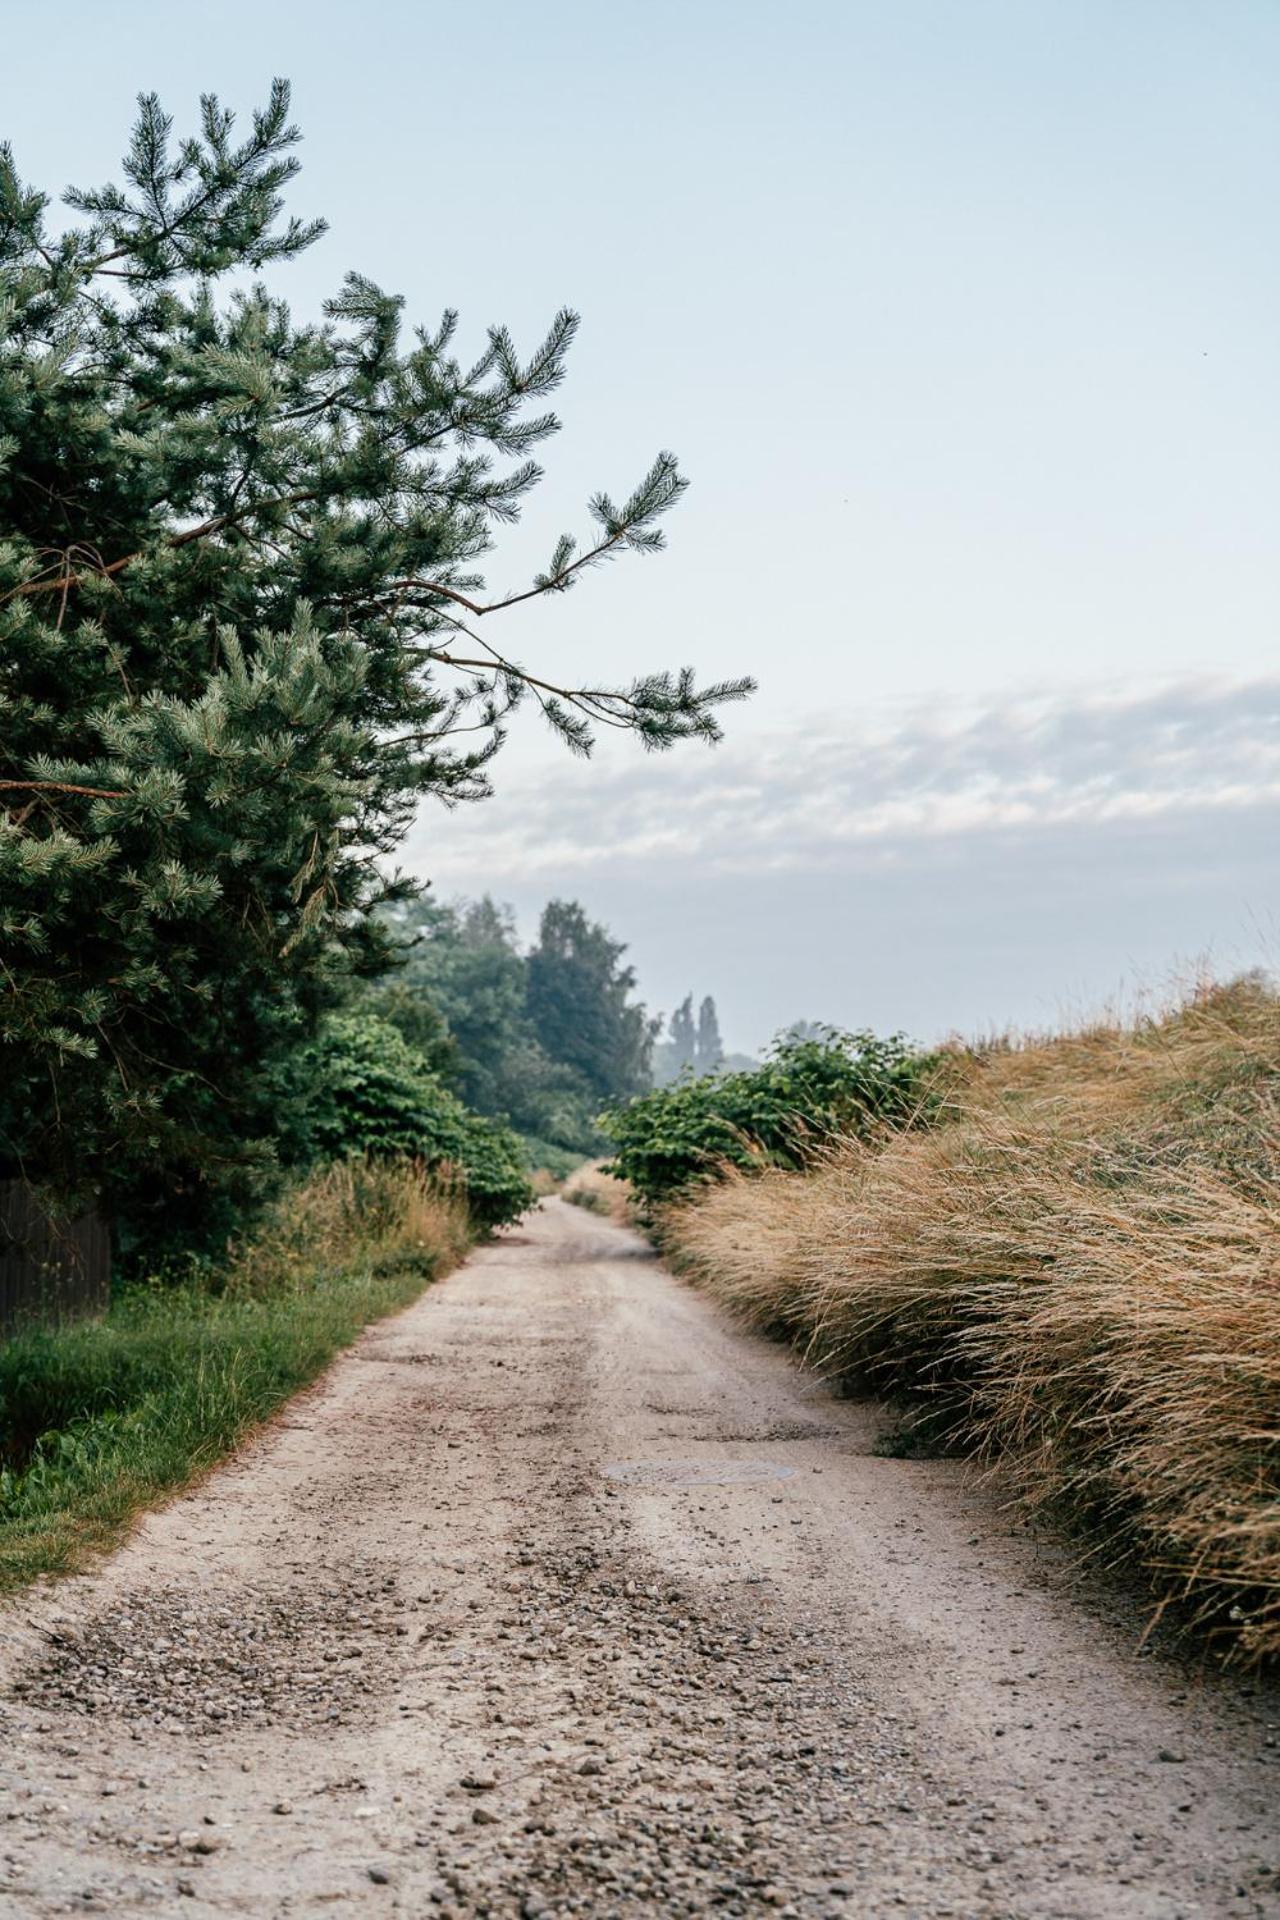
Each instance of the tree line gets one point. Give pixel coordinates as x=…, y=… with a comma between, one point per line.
x=545, y=1038
x=542, y=1039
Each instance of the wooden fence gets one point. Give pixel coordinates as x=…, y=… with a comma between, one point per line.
x=50, y=1270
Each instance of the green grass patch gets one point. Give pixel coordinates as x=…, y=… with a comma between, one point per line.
x=589, y=1198
x=101, y=1419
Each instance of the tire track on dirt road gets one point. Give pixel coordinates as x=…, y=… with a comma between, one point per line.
x=561, y=1595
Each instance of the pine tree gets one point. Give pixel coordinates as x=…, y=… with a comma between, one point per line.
x=240, y=607
x=709, y=1049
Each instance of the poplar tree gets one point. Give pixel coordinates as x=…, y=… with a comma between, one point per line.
x=244, y=633
x=684, y=1038
x=709, y=1053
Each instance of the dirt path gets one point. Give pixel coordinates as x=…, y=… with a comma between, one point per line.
x=562, y=1596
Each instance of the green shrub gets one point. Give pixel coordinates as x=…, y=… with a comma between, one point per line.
x=780, y=1114
x=368, y=1094
x=546, y=1156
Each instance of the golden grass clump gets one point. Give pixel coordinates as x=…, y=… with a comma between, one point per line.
x=599, y=1192
x=1081, y=1265
x=381, y=1214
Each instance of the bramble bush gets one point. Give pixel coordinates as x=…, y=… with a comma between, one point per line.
x=780, y=1114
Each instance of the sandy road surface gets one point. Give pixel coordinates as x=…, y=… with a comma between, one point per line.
x=560, y=1595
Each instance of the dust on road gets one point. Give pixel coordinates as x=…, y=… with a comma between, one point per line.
x=561, y=1595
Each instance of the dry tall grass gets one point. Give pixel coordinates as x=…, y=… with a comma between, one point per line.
x=383, y=1215
x=599, y=1192
x=1081, y=1265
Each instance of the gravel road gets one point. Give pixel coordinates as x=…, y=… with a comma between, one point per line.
x=562, y=1595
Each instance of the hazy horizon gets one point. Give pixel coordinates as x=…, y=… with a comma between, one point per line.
x=1002, y=866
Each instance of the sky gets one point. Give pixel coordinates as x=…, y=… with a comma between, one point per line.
x=962, y=321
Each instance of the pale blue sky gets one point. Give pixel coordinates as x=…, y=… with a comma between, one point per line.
x=963, y=321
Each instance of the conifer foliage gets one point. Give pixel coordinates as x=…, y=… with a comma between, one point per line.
x=240, y=613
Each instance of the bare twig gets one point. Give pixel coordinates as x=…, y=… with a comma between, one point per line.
x=62, y=786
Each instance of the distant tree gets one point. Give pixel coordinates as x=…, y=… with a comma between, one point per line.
x=465, y=965
x=709, y=1050
x=463, y=971
x=692, y=1047
x=683, y=1043
x=579, y=1001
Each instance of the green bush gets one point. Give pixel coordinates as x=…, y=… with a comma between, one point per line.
x=367, y=1093
x=546, y=1156
x=780, y=1114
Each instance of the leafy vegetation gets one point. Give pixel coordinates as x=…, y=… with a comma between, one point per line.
x=579, y=1000
x=366, y=1094
x=100, y=1418
x=460, y=965
x=1075, y=1269
x=539, y=1040
x=544, y=1156
x=780, y=1114
x=239, y=581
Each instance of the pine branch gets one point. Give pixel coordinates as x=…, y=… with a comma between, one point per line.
x=63, y=582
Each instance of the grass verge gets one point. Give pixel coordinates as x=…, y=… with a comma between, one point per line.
x=102, y=1418
x=1079, y=1269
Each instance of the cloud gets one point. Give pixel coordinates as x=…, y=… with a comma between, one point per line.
x=924, y=870
x=870, y=795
